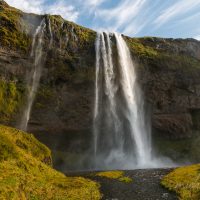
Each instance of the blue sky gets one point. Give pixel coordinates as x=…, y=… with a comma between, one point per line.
x=163, y=18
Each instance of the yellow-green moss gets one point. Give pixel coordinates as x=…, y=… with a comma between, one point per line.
x=142, y=51
x=126, y=179
x=119, y=175
x=10, y=99
x=111, y=174
x=24, y=173
x=146, y=49
x=11, y=34
x=84, y=34
x=185, y=181
x=16, y=140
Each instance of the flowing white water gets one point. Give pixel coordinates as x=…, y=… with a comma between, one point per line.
x=122, y=134
x=96, y=104
x=50, y=32
x=134, y=100
x=35, y=75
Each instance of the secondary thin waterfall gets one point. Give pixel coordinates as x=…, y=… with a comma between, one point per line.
x=121, y=132
x=35, y=74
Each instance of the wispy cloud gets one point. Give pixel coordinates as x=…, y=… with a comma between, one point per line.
x=27, y=6
x=171, y=18
x=94, y=3
x=124, y=13
x=176, y=10
x=66, y=11
x=89, y=7
x=141, y=20
x=197, y=37
x=41, y=7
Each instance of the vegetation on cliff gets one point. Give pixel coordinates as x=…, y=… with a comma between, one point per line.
x=17, y=28
x=10, y=99
x=163, y=52
x=11, y=32
x=26, y=173
x=141, y=50
x=185, y=181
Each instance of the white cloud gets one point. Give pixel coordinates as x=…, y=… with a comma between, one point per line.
x=177, y=9
x=59, y=7
x=131, y=17
x=89, y=6
x=27, y=6
x=142, y=19
x=197, y=37
x=94, y=3
x=66, y=11
x=122, y=15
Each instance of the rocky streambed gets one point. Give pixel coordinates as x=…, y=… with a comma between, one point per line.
x=144, y=184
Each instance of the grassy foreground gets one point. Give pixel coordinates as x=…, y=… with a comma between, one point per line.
x=26, y=173
x=185, y=181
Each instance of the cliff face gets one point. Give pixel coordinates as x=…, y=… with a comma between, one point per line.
x=168, y=71
x=170, y=78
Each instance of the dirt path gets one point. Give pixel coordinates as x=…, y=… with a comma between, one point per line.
x=145, y=185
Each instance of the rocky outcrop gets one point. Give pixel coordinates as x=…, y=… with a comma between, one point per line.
x=168, y=72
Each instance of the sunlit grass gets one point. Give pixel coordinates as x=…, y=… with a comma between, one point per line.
x=185, y=181
x=26, y=173
x=118, y=175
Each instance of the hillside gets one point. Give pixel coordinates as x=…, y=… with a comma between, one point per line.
x=26, y=172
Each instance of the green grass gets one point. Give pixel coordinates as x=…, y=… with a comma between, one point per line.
x=185, y=181
x=26, y=173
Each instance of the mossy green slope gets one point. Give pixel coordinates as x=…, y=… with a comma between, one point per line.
x=185, y=181
x=25, y=171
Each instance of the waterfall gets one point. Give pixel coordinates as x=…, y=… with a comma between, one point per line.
x=121, y=130
x=96, y=104
x=140, y=133
x=50, y=32
x=35, y=74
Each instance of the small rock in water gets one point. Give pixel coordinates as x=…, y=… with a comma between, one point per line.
x=165, y=196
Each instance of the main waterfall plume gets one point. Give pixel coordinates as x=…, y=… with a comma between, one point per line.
x=122, y=135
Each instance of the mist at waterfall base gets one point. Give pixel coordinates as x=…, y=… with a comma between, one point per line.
x=122, y=129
